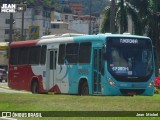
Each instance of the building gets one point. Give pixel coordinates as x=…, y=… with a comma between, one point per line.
x=84, y=24
x=4, y=27
x=77, y=8
x=60, y=23
x=37, y=22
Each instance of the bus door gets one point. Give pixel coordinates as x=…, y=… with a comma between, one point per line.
x=97, y=66
x=52, y=55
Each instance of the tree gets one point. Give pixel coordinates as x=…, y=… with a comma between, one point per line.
x=106, y=21
x=123, y=9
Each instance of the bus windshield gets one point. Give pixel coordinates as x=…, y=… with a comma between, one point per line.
x=131, y=57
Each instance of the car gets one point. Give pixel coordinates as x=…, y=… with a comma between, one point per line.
x=3, y=75
x=157, y=82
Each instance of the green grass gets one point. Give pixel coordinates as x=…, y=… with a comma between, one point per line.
x=44, y=102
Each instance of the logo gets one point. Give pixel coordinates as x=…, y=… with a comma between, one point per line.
x=12, y=8
x=8, y=8
x=6, y=114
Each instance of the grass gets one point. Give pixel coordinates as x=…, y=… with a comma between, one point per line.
x=44, y=102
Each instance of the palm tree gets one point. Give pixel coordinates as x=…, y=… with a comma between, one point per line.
x=121, y=16
x=106, y=21
x=123, y=9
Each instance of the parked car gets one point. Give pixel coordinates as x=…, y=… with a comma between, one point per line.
x=3, y=75
x=157, y=82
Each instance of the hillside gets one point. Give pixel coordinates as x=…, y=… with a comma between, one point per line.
x=97, y=6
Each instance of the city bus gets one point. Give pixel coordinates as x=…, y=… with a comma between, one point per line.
x=102, y=64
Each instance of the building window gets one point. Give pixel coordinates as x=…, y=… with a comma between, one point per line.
x=55, y=26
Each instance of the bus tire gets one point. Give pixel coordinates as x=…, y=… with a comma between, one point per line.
x=35, y=87
x=84, y=89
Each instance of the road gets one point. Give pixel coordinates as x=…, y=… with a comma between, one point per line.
x=5, y=89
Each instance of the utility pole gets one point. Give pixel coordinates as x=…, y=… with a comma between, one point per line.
x=112, y=17
x=22, y=37
x=10, y=27
x=90, y=7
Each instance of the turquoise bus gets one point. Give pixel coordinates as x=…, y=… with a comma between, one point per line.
x=102, y=64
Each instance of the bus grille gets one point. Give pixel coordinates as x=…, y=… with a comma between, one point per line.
x=132, y=91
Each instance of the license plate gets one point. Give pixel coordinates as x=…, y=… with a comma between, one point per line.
x=138, y=85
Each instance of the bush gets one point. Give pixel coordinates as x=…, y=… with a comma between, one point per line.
x=156, y=91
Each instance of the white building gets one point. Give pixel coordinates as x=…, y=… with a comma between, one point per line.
x=84, y=24
x=36, y=23
x=58, y=25
x=4, y=27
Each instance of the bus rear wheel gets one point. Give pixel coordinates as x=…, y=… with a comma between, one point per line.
x=35, y=87
x=84, y=89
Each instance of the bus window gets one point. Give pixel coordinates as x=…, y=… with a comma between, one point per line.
x=84, y=57
x=61, y=54
x=34, y=57
x=43, y=55
x=72, y=53
x=23, y=55
x=14, y=56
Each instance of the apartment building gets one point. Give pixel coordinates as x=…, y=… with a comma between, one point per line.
x=37, y=22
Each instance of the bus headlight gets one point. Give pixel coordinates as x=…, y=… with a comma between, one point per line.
x=150, y=84
x=111, y=82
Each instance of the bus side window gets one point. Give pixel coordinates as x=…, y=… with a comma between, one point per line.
x=72, y=53
x=23, y=55
x=14, y=56
x=34, y=57
x=84, y=57
x=61, y=54
x=43, y=55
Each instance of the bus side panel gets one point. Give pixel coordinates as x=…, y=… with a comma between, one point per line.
x=12, y=77
x=78, y=72
x=39, y=73
x=61, y=84
x=18, y=77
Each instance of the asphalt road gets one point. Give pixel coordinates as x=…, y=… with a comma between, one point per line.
x=5, y=89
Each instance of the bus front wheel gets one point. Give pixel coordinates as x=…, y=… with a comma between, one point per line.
x=35, y=87
x=84, y=89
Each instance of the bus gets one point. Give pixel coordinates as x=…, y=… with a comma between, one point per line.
x=102, y=64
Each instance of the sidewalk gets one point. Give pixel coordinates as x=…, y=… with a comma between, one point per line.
x=3, y=118
x=5, y=89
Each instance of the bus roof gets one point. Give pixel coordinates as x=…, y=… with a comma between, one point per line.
x=24, y=43
x=64, y=39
